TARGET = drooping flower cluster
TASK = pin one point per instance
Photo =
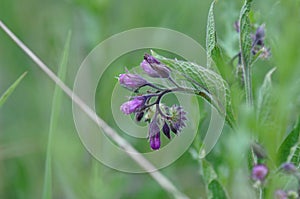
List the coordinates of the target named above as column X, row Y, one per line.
column 290, row 169
column 260, row 173
column 258, row 48
column 148, row 107
column 258, row 43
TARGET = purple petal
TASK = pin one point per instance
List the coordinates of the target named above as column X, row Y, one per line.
column 155, row 141
column 154, row 134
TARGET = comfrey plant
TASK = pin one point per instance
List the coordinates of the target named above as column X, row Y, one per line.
column 272, row 172
column 148, row 106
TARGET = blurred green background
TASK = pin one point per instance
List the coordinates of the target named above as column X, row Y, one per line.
column 43, row 26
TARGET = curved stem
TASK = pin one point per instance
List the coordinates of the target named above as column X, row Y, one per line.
column 148, row 84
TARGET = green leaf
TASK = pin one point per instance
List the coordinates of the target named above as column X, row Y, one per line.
column 208, row 84
column 294, row 156
column 215, row 54
column 287, row 147
column 245, row 35
column 207, row 171
column 264, row 98
column 216, row 190
column 211, row 38
column 245, row 49
column 10, row 90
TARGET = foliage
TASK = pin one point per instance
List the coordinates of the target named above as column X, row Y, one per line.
column 262, row 98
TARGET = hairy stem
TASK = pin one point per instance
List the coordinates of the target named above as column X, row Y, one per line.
column 248, row 86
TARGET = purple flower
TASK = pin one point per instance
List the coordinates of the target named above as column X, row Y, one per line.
column 177, row 118
column 288, row 167
column 154, row 134
column 280, row 194
column 133, row 105
column 259, row 172
column 154, row 68
column 132, row 81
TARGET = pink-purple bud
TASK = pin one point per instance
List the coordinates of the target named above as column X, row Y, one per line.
column 289, row 167
column 131, row 81
column 148, row 69
column 166, row 130
column 133, row 105
column 154, row 135
column 154, row 68
column 259, row 172
column 280, row 194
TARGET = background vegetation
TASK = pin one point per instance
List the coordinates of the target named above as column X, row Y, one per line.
column 25, row 117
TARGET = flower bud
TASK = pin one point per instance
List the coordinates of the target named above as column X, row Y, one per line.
column 139, row 116
column 166, row 130
column 154, row 135
column 288, row 168
column 259, row 172
column 258, row 150
column 148, row 69
column 131, row 81
column 260, row 33
column 280, row 194
column 154, row 68
column 133, row 105
column 259, row 36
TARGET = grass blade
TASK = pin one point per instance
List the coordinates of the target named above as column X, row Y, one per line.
column 10, row 90
column 56, row 104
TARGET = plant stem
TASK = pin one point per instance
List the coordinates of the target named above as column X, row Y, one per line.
column 248, row 85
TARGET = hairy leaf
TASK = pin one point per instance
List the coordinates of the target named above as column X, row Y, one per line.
column 216, row 190
column 207, row 171
column 208, row 84
column 288, row 145
column 264, row 97
column 211, row 38
column 215, row 54
column 245, row 35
